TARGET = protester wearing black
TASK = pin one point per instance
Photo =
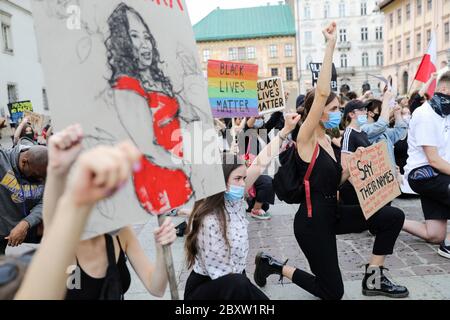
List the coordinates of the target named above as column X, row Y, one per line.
column 318, row 222
column 264, row 193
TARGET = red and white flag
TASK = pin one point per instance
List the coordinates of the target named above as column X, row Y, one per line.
column 428, row 65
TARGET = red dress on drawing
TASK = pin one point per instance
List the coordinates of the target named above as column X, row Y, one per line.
column 160, row 189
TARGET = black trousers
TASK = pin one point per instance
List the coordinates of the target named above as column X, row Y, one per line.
column 3, row 245
column 230, row 287
column 317, row 239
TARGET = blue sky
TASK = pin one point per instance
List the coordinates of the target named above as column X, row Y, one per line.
column 198, row 9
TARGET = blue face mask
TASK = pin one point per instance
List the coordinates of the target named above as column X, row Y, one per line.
column 334, row 119
column 362, row 119
column 235, row 193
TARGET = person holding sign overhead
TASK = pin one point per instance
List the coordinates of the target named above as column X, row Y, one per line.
column 320, row 218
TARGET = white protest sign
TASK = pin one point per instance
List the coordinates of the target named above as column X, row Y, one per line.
column 271, row 95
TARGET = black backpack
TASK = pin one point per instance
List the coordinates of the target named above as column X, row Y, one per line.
column 288, row 182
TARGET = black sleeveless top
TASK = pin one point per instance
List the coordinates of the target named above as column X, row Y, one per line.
column 326, row 175
column 112, row 287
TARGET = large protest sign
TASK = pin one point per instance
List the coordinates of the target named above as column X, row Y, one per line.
column 17, row 109
column 373, row 178
column 271, row 95
column 315, row 70
column 232, row 89
column 130, row 70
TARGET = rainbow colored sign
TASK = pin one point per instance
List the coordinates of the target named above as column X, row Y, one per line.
column 232, row 89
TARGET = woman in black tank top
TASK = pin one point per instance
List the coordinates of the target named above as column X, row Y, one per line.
column 320, row 218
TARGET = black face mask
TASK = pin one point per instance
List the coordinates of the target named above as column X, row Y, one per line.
column 441, row 104
column 29, row 136
column 376, row 116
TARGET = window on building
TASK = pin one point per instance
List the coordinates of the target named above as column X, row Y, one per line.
column 288, row 50
column 273, row 51
column 380, row 59
column 13, row 95
column 307, row 11
column 418, row 42
column 429, row 5
column 379, row 33
column 399, row 49
column 233, row 53
column 342, row 35
column 399, row 16
column 342, row 9
column 391, row 20
column 274, row 72
column 418, row 7
column 326, row 10
column 363, row 8
column 364, row 34
column 428, row 36
column 45, row 99
column 206, row 55
column 391, row 51
column 289, row 74
column 7, row 38
column 408, row 11
column 242, row 53
column 251, row 53
column 308, row 37
column 408, row 46
column 447, row 32
column 365, row 59
column 343, row 60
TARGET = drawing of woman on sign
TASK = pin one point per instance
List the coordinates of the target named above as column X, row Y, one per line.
column 148, row 110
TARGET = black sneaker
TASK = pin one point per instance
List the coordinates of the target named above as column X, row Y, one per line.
column 444, row 251
column 375, row 283
column 265, row 266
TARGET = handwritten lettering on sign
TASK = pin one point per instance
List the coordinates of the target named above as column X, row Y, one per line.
column 373, row 178
column 270, row 95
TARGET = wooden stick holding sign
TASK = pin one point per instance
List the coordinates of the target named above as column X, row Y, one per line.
column 373, row 178
column 168, row 259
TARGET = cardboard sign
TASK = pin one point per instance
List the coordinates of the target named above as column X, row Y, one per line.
column 129, row 70
column 17, row 109
column 373, row 178
column 315, row 70
column 232, row 89
column 271, row 95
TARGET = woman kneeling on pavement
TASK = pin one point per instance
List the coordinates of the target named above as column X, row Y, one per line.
column 318, row 222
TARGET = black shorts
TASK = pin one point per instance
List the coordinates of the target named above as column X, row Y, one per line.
column 434, row 195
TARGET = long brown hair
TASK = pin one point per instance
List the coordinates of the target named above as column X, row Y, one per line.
column 212, row 205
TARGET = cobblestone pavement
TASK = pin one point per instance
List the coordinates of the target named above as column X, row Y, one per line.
column 414, row 263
